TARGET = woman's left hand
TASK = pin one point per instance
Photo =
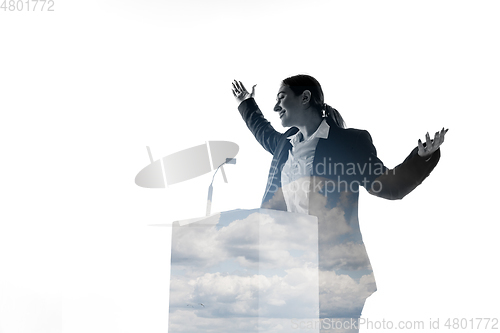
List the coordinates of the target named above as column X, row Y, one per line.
column 431, row 145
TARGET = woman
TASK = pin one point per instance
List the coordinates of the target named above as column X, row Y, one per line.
column 317, row 169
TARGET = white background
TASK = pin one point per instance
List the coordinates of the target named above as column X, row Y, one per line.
column 84, row 90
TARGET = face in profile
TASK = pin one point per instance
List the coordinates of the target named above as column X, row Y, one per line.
column 289, row 107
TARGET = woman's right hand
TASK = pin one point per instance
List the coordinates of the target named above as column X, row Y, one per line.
column 241, row 93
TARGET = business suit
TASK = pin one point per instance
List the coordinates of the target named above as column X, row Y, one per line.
column 342, row 162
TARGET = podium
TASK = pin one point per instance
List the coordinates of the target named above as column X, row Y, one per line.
column 245, row 271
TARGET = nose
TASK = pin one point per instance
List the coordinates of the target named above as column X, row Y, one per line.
column 277, row 107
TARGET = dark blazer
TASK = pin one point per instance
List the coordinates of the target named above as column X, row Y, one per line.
column 342, row 163
column 336, row 156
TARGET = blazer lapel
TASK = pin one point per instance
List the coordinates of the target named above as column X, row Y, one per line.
column 279, row 159
column 326, row 148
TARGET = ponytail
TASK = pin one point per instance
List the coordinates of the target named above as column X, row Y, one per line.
column 334, row 115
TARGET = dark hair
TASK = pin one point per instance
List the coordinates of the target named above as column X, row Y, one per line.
column 301, row 82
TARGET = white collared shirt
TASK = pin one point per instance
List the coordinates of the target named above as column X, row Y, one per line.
column 297, row 171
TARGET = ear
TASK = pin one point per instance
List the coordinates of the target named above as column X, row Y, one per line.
column 306, row 97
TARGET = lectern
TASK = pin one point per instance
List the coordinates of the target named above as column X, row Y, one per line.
column 245, row 271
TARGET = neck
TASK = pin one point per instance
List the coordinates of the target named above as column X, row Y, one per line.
column 310, row 126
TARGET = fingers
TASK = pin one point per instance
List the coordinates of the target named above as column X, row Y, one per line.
column 240, row 92
column 428, row 149
column 439, row 138
column 235, row 87
column 443, row 132
column 428, row 142
column 432, row 145
column 421, row 148
column 436, row 138
column 238, row 87
column 242, row 87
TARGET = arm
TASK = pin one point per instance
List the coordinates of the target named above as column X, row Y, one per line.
column 398, row 182
column 262, row 129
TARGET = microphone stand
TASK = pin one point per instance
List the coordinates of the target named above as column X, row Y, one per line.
column 211, row 189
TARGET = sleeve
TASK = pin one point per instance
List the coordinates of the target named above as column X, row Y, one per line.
column 262, row 129
column 396, row 183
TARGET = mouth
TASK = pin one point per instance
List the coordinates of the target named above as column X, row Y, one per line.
column 282, row 112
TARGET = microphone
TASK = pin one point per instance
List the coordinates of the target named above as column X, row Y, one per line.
column 211, row 188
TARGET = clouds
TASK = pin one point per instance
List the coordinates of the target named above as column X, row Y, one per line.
column 246, row 298
column 341, row 296
column 349, row 256
column 232, row 295
column 195, row 245
column 332, row 220
column 262, row 270
column 264, row 266
column 340, row 243
column 273, row 300
column 259, row 241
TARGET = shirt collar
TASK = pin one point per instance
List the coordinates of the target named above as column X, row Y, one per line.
column 321, row 133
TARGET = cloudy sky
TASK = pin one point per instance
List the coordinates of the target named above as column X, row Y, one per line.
column 86, row 88
column 244, row 268
column 261, row 270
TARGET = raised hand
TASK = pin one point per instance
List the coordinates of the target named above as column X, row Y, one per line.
column 241, row 93
column 431, row 145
